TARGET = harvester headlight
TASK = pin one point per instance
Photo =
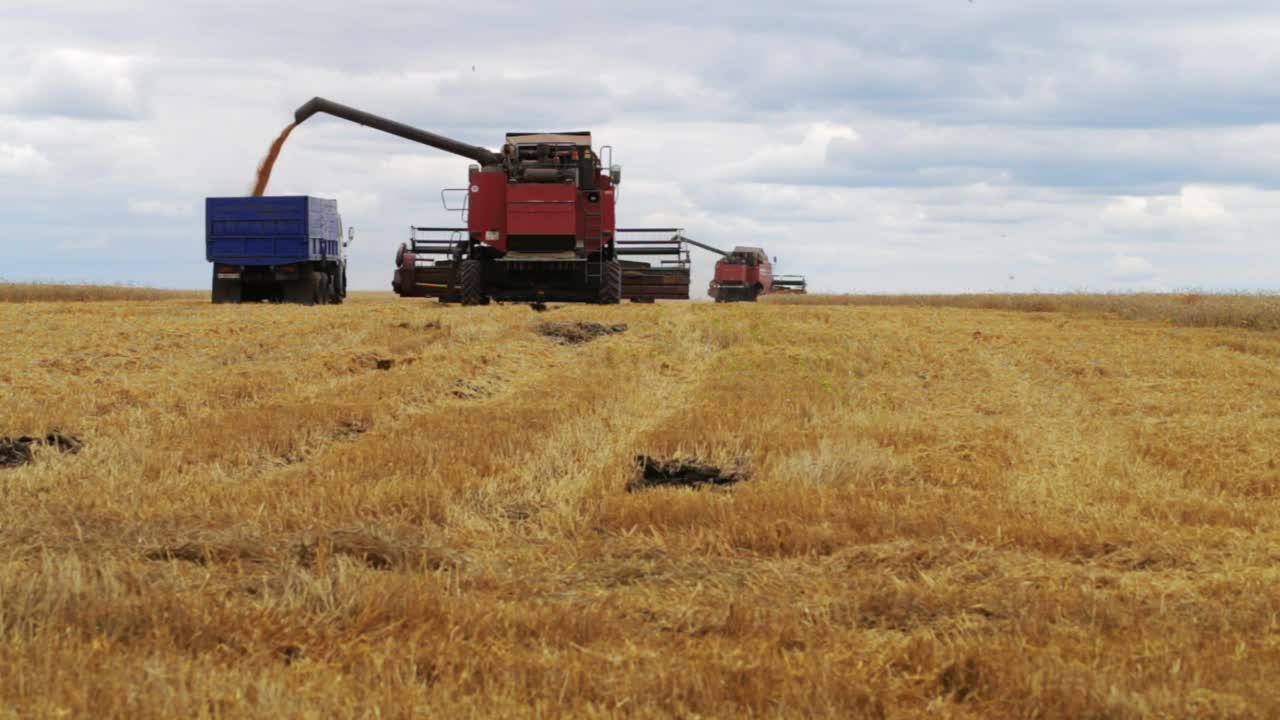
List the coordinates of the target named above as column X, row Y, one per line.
column 491, row 236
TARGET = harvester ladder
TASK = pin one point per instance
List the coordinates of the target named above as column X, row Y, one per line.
column 592, row 232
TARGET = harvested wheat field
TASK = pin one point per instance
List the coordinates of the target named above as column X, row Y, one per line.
column 396, row 509
column 70, row 292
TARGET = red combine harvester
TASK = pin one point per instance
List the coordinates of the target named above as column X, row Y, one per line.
column 539, row 226
column 747, row 273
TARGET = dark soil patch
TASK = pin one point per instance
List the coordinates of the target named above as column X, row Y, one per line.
column 21, row 450
column 373, row 360
column 351, row 429
column 188, row 552
column 376, row 552
column 373, row 550
column 205, row 550
column 464, row 390
column 574, row 333
column 680, row 472
column 370, row 549
column 430, row 325
column 15, row 452
column 291, row 653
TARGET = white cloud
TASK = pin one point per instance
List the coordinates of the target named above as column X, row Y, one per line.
column 160, row 208
column 786, row 159
column 425, row 168
column 1130, row 266
column 73, row 82
column 22, row 161
column 79, row 244
column 1193, row 205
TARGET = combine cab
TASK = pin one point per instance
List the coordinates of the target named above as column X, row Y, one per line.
column 539, row 225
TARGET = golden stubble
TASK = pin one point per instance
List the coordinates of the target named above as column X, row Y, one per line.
column 398, row 509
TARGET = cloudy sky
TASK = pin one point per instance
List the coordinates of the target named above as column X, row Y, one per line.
column 874, row 145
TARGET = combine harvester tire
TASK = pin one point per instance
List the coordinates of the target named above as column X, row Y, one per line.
column 470, row 282
column 611, row 283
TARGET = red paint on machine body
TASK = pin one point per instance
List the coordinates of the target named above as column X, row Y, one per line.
column 540, row 224
column 744, row 274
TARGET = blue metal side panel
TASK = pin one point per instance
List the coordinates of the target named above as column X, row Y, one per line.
column 270, row 230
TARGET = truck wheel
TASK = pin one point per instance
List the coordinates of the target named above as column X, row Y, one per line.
column 471, row 282
column 341, row 294
column 301, row 290
column 611, row 283
column 226, row 292
column 321, row 283
column 331, row 284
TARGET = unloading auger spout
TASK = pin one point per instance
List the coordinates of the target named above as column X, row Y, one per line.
column 408, row 132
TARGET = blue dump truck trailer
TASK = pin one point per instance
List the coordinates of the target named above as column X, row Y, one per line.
column 280, row 249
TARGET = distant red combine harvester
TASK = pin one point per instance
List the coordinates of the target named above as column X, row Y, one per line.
column 747, row 273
